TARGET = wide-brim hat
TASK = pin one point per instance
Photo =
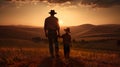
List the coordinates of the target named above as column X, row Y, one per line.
column 67, row 30
column 52, row 12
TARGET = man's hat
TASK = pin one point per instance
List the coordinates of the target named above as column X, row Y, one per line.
column 52, row 12
column 67, row 30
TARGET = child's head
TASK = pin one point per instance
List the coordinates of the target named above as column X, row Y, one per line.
column 67, row 30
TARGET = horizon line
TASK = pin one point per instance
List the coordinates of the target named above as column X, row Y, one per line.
column 43, row 26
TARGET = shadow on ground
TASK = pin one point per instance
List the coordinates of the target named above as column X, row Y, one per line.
column 49, row 62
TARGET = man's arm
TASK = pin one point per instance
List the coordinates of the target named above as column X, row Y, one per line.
column 58, row 30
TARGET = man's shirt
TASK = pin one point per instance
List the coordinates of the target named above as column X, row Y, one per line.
column 51, row 23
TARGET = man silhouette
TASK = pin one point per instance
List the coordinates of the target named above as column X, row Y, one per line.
column 51, row 28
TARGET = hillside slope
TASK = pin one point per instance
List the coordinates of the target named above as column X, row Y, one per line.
column 110, row 30
column 18, row 32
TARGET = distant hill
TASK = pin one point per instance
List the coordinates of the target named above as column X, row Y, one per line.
column 16, row 32
column 77, row 32
column 110, row 30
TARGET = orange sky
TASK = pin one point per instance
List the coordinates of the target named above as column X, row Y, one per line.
column 34, row 14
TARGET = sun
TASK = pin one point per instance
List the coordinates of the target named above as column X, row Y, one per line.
column 61, row 22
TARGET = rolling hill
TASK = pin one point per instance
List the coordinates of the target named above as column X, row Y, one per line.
column 81, row 31
column 110, row 30
column 13, row 32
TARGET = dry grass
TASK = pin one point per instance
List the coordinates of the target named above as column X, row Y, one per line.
column 33, row 57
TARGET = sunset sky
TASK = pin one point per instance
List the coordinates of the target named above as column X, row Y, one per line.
column 69, row 12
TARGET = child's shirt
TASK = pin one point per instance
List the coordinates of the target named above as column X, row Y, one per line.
column 66, row 38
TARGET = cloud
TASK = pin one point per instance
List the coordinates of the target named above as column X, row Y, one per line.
column 93, row 3
column 5, row 3
column 101, row 3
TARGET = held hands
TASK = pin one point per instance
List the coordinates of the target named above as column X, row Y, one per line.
column 58, row 34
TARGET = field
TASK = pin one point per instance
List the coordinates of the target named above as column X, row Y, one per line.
column 37, row 55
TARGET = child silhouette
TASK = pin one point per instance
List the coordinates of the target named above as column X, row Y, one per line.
column 66, row 42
